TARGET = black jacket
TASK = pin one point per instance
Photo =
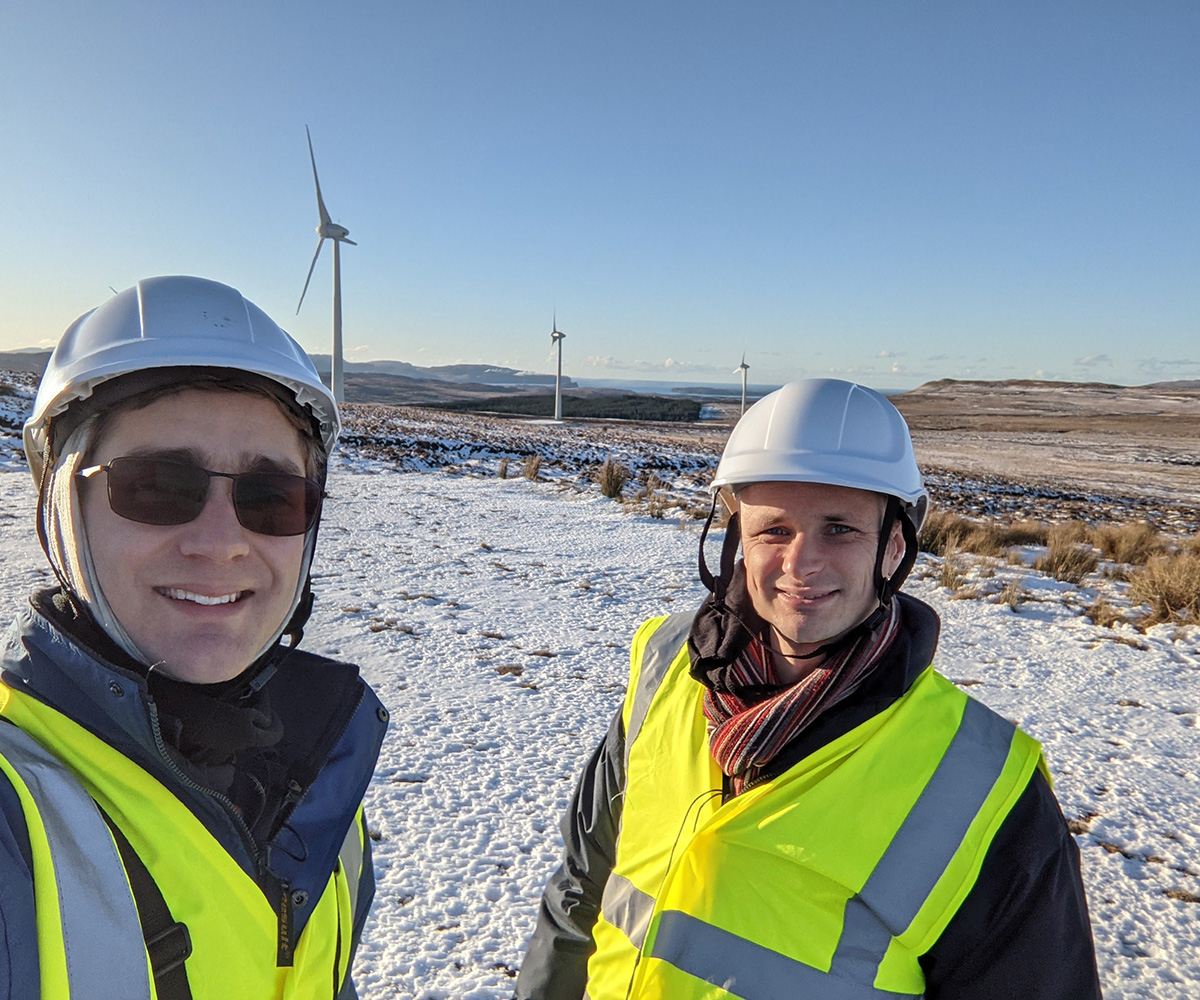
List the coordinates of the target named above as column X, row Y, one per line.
column 1022, row 932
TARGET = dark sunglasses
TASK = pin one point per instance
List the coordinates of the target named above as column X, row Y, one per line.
column 162, row 491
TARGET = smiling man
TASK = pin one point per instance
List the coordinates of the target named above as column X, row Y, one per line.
column 180, row 791
column 792, row 802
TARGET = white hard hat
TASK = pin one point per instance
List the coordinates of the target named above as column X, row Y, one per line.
column 170, row 322
column 826, row 431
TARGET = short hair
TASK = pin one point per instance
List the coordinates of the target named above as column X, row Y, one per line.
column 315, row 460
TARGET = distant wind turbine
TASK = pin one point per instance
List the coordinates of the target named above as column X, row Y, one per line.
column 743, row 368
column 557, row 338
column 329, row 230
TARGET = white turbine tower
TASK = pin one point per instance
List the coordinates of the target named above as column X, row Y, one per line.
column 329, row 230
column 743, row 368
column 557, row 338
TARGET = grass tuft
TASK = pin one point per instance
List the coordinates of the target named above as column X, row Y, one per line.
column 1170, row 584
column 1134, row 543
column 1071, row 557
column 532, row 466
column 1103, row 614
column 502, row 472
column 1013, row 594
column 944, row 531
column 951, row 575
column 612, row 477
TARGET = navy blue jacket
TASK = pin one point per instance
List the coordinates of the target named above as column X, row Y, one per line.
column 333, row 728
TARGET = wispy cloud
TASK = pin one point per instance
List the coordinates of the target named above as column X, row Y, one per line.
column 666, row 367
column 1168, row 369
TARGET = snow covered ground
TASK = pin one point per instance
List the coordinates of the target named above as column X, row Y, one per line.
column 493, row 616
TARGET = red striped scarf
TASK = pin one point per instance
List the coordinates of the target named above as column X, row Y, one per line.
column 745, row 736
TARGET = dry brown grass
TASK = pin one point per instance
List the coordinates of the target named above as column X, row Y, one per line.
column 1170, row 584
column 1104, row 614
column 1068, row 532
column 612, row 477
column 1135, row 543
column 1071, row 557
column 1013, row 594
column 944, row 531
column 502, row 471
column 532, row 466
column 951, row 575
column 650, row 494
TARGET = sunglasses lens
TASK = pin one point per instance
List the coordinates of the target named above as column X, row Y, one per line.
column 275, row 503
column 151, row 491
column 159, row 491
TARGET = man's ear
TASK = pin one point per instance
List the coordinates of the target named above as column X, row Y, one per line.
column 895, row 551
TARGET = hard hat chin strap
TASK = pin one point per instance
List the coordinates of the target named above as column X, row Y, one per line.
column 719, row 585
column 887, row 587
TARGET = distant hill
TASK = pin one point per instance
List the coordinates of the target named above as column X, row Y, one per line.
column 29, row 359
column 1044, row 406
column 481, row 374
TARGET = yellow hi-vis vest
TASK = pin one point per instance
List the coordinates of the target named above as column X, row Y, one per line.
column 825, row 883
column 90, row 944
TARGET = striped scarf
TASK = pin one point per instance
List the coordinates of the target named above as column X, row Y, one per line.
column 745, row 734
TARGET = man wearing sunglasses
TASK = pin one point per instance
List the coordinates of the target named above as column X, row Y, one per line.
column 180, row 790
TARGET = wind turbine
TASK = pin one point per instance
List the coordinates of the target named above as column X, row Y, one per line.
column 743, row 368
column 557, row 338
column 329, row 230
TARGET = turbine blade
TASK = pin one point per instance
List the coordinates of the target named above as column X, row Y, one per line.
column 325, row 220
column 351, row 242
column 310, row 271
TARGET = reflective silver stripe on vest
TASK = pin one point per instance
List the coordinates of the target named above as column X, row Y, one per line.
column 105, row 952
column 624, row 905
column 925, row 843
column 746, row 969
column 351, row 857
column 661, row 649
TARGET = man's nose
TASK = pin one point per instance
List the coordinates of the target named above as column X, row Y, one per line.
column 802, row 556
column 216, row 534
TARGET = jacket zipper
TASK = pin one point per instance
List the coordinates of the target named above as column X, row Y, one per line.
column 188, row 781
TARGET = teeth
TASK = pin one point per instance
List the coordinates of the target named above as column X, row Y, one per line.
column 186, row 595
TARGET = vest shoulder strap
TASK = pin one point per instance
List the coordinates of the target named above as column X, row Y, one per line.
column 659, row 650
column 167, row 940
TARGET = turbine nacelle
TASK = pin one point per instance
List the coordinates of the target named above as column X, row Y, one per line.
column 332, row 231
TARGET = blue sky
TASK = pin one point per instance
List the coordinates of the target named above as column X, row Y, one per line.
column 883, row 190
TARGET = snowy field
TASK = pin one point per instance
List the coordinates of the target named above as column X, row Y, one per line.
column 494, row 616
